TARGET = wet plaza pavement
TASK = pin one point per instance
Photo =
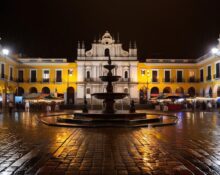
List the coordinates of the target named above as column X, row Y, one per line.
column 192, row 146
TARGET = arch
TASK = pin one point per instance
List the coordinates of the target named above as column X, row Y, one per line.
column 33, row 90
column 19, row 91
column 210, row 92
column 191, row 91
column 87, row 74
column 143, row 96
column 203, row 92
column 107, row 52
column 167, row 90
column 126, row 74
column 70, row 95
column 125, row 90
column 180, row 90
column 218, row 91
column 154, row 92
column 45, row 90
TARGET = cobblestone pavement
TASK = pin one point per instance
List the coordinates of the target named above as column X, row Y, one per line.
column 190, row 147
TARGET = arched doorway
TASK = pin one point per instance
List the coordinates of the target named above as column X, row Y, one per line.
column 88, row 74
column 203, row 92
column 126, row 74
column 218, row 91
column 107, row 52
column 154, row 92
column 33, row 90
column 70, row 95
column 143, row 95
column 19, row 91
column 45, row 90
column 167, row 90
column 210, row 92
column 191, row 91
column 180, row 90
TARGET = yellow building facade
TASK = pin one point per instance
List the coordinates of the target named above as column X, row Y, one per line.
column 57, row 76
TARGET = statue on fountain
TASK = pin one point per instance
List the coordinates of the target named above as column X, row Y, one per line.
column 132, row 107
column 85, row 106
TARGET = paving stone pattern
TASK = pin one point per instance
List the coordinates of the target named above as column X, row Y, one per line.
column 190, row 147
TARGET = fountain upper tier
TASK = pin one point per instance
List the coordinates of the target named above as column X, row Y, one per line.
column 111, row 96
column 110, row 78
column 109, row 67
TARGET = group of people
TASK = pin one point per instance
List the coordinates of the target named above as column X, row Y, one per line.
column 201, row 105
column 27, row 106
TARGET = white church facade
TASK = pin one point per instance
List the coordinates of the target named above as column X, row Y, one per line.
column 90, row 66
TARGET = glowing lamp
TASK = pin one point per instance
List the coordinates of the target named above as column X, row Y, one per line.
column 214, row 50
column 5, row 52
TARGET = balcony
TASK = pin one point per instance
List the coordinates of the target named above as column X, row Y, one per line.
column 3, row 76
column 154, row 80
column 11, row 78
column 180, row 80
column 33, row 80
column 46, row 80
column 201, row 80
column 209, row 78
column 168, row 80
column 192, row 80
column 216, row 76
column 58, row 80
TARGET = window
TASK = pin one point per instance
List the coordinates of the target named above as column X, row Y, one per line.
column 46, row 76
column 126, row 74
column 201, row 75
column 209, row 73
column 217, row 68
column 58, row 76
column 125, row 90
column 88, row 74
column 2, row 70
column 154, row 76
column 107, row 53
column 11, row 73
column 20, row 76
column 192, row 76
column 88, row 91
column 179, row 76
column 142, row 72
column 33, row 75
column 167, row 76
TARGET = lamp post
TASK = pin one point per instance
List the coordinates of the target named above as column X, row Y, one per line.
column 148, row 75
column 5, row 53
column 70, row 73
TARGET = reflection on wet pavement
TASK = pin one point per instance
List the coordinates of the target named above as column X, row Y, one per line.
column 190, row 147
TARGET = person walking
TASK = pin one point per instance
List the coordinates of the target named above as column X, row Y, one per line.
column 11, row 105
column 27, row 106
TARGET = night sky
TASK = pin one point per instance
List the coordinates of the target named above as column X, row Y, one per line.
column 162, row 28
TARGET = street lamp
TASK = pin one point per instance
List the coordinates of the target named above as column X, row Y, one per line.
column 70, row 74
column 215, row 50
column 148, row 75
column 5, row 53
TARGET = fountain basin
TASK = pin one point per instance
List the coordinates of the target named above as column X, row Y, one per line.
column 110, row 78
column 109, row 67
column 94, row 119
column 114, row 96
